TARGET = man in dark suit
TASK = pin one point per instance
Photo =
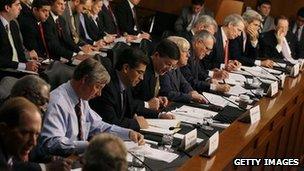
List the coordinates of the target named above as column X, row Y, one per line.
column 32, row 29
column 116, row 105
column 264, row 8
column 204, row 22
column 232, row 28
column 108, row 18
column 128, row 19
column 18, row 136
column 190, row 14
column 297, row 29
column 245, row 47
column 11, row 51
column 198, row 77
column 60, row 43
column 279, row 44
column 164, row 58
column 173, row 84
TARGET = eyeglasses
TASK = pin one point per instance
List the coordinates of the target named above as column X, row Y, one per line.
column 207, row 48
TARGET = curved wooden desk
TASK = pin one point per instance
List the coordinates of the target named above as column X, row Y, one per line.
column 279, row 133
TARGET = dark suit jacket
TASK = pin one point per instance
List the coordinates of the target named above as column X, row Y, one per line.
column 268, row 43
column 6, row 52
column 125, row 18
column 216, row 57
column 236, row 51
column 107, row 21
column 59, row 46
column 300, row 44
column 96, row 32
column 108, row 105
column 17, row 166
column 145, row 89
column 187, row 35
column 196, row 75
column 31, row 35
column 174, row 86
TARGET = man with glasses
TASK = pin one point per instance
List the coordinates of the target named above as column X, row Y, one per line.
column 164, row 58
column 232, row 28
column 245, row 47
column 202, row 45
column 116, row 105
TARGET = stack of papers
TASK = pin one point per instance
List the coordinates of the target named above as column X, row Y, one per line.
column 162, row 126
column 149, row 152
column 235, row 79
column 237, row 90
column 216, row 99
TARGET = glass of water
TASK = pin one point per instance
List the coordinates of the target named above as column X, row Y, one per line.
column 167, row 141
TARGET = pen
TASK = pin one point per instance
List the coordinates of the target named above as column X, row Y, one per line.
column 224, row 81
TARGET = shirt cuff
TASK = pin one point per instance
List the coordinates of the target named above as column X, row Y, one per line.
column 80, row 146
column 146, row 105
column 257, row 62
column 213, row 87
column 210, row 74
column 42, row 167
column 279, row 48
column 123, row 133
column 21, row 66
column 254, row 43
column 74, row 54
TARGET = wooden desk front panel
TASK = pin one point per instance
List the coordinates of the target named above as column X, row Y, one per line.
column 279, row 133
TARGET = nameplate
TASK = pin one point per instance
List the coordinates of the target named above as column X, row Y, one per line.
column 213, row 143
column 255, row 114
column 282, row 80
column 190, row 139
column 295, row 70
column 301, row 64
column 273, row 88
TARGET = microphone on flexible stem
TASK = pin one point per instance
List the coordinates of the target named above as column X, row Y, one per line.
column 240, row 107
column 145, row 164
column 242, row 69
column 278, row 79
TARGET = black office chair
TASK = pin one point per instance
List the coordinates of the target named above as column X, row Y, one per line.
column 113, row 53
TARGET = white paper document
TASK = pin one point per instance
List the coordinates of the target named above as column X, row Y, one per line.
column 163, row 123
column 150, row 152
column 193, row 112
column 237, row 90
column 215, row 99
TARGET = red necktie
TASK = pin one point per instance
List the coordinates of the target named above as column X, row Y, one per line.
column 43, row 39
column 79, row 114
column 59, row 28
column 226, row 49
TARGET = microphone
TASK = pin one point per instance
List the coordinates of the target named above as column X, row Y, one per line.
column 242, row 69
column 212, row 106
column 278, row 78
column 141, row 161
column 171, row 128
column 240, row 107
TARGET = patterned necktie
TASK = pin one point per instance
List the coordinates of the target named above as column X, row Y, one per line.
column 157, row 86
column 11, row 40
column 79, row 115
column 59, row 28
column 135, row 19
column 41, row 31
column 298, row 33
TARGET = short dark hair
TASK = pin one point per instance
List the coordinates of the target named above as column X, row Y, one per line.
column 11, row 110
column 167, row 48
column 281, row 17
column 3, row 3
column 261, row 2
column 40, row 3
column 197, row 2
column 131, row 56
column 30, row 87
column 301, row 12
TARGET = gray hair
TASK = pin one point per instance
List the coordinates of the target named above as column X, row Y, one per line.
column 234, row 19
column 206, row 21
column 93, row 70
column 203, row 35
column 251, row 15
column 29, row 87
column 182, row 43
column 105, row 152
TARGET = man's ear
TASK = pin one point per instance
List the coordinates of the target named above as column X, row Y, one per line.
column 125, row 68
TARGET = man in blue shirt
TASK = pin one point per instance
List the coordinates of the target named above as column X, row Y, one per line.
column 69, row 121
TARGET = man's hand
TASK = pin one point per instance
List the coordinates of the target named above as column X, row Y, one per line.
column 33, row 55
column 136, row 137
column 222, row 88
column 32, row 66
column 166, row 115
column 253, row 34
column 267, row 63
column 233, row 65
column 220, row 74
column 59, row 164
column 86, row 49
column 163, row 101
column 197, row 97
column 81, row 57
column 154, row 103
column 143, row 124
column 144, row 35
